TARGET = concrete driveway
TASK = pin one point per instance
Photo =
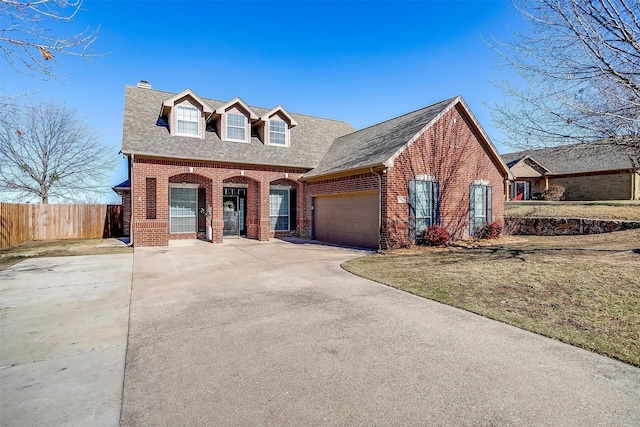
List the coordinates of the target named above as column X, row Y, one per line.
column 251, row 333
column 63, row 337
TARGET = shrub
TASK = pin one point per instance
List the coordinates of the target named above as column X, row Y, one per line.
column 554, row 193
column 433, row 235
column 489, row 231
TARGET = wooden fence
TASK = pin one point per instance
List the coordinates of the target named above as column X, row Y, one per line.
column 26, row 222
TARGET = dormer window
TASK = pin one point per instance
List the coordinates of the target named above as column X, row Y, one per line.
column 277, row 132
column 275, row 127
column 187, row 120
column 185, row 114
column 236, row 127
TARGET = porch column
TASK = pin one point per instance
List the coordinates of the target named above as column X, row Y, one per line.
column 217, row 221
column 263, row 211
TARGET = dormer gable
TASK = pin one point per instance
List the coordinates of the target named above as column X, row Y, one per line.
column 274, row 127
column 186, row 114
column 233, row 120
column 529, row 167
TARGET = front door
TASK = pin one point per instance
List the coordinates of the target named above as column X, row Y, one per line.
column 230, row 216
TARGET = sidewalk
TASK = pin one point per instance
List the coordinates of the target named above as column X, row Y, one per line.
column 63, row 336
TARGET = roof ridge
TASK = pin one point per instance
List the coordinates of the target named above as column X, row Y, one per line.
column 448, row 101
column 252, row 106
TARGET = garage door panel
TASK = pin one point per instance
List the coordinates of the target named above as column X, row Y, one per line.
column 347, row 219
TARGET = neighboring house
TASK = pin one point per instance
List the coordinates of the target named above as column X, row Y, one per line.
column 264, row 172
column 587, row 171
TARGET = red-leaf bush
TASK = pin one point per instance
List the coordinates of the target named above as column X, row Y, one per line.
column 490, row 231
column 433, row 235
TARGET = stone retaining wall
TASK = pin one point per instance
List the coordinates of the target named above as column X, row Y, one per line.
column 564, row 226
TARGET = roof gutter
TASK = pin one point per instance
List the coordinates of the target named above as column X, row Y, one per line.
column 131, row 202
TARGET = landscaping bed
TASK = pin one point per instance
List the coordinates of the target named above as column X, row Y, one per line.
column 583, row 290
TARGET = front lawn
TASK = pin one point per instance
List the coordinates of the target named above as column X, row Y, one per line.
column 583, row 290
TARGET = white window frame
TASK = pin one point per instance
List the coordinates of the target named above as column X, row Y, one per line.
column 243, row 127
column 284, row 133
column 288, row 216
column 195, row 228
column 479, row 217
column 430, row 204
column 196, row 121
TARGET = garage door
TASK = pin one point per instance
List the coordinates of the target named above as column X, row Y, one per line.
column 347, row 219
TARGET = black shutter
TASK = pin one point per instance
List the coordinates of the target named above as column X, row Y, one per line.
column 293, row 208
column 202, row 200
column 472, row 208
column 435, row 203
column 489, row 209
column 412, row 209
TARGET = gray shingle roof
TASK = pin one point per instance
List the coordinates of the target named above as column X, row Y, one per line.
column 576, row 158
column 376, row 144
column 309, row 140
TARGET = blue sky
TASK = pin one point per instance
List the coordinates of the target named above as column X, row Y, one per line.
column 361, row 62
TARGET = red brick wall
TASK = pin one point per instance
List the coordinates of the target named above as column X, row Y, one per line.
column 210, row 176
column 452, row 153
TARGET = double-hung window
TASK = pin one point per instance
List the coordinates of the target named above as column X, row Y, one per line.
column 277, row 132
column 479, row 207
column 187, row 120
column 424, row 205
column 183, row 203
column 236, row 126
column 279, row 209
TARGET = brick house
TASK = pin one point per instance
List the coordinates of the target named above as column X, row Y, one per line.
column 594, row 170
column 202, row 168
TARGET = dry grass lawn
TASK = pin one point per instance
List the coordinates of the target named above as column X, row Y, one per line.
column 621, row 210
column 54, row 248
column 583, row 290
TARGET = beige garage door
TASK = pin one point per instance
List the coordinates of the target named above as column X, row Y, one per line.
column 347, row 219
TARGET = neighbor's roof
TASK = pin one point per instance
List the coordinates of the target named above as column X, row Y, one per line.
column 124, row 185
column 576, row 158
column 310, row 139
column 380, row 144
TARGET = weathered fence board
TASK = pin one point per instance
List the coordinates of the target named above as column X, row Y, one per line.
column 25, row 222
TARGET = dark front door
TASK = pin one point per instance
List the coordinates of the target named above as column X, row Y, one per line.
column 230, row 216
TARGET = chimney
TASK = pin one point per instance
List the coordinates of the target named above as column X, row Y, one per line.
column 144, row 84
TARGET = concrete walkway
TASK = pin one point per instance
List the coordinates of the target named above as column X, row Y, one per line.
column 251, row 333
column 63, row 335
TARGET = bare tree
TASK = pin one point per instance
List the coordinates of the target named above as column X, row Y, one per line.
column 46, row 152
column 29, row 46
column 579, row 74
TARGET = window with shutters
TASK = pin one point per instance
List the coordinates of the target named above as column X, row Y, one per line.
column 479, row 207
column 424, row 205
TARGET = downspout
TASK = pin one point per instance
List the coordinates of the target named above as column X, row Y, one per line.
column 131, row 222
column 379, row 207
